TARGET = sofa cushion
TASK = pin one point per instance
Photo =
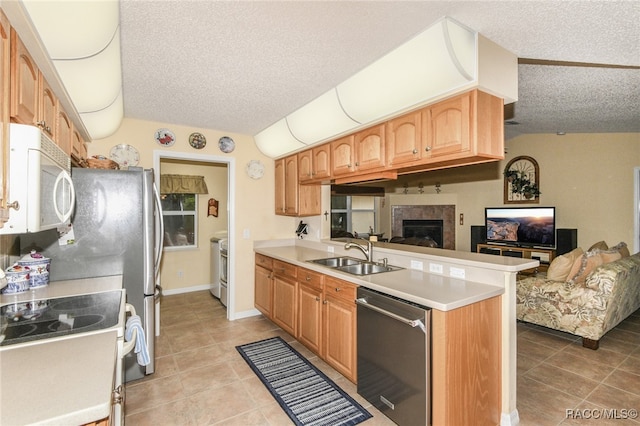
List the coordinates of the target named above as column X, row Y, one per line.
column 561, row 266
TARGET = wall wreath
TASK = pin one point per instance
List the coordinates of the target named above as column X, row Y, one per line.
column 522, row 181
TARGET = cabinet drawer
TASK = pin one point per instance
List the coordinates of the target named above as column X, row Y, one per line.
column 310, row 278
column 285, row 269
column 264, row 261
column 339, row 288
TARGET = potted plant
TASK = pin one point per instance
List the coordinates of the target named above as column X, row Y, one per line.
column 520, row 184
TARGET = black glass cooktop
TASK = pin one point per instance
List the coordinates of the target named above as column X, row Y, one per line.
column 46, row 318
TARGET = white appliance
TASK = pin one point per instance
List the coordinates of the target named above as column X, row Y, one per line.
column 224, row 272
column 215, row 267
column 41, row 193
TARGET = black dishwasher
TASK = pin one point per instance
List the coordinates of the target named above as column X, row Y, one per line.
column 394, row 357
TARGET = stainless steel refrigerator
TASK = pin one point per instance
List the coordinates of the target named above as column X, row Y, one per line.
column 117, row 227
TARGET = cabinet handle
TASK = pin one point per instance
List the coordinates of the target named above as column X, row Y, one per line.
column 324, row 302
column 349, row 165
column 357, row 163
column 338, row 289
column 415, row 151
column 428, row 149
column 15, row 205
column 317, row 299
column 308, row 278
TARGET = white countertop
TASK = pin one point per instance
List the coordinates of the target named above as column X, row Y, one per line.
column 432, row 290
column 66, row 380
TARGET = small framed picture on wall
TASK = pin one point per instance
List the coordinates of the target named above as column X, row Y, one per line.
column 213, row 207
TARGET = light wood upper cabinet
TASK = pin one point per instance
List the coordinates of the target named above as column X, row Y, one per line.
column 404, row 139
column 5, row 84
column 64, row 131
column 292, row 198
column 291, row 185
column 448, row 126
column 343, row 159
column 370, row 148
column 466, row 129
column 48, row 111
column 25, row 82
column 78, row 146
column 314, row 165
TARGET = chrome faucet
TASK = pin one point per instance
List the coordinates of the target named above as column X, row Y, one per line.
column 368, row 252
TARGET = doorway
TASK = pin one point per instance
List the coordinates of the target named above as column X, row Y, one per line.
column 226, row 208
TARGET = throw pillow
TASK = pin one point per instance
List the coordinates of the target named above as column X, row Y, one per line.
column 622, row 248
column 561, row 265
column 588, row 262
column 600, row 245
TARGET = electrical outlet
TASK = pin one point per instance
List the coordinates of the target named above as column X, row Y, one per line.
column 416, row 264
column 246, row 233
column 180, row 273
column 456, row 272
column 435, row 268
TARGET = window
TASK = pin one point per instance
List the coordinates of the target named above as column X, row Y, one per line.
column 352, row 214
column 179, row 212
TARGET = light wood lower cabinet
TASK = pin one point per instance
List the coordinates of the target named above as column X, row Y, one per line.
column 466, row 364
column 316, row 309
column 339, row 326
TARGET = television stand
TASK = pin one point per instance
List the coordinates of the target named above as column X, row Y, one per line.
column 545, row 256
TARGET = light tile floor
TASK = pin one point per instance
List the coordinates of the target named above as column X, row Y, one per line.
column 201, row 379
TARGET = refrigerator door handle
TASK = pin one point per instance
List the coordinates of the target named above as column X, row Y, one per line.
column 159, row 235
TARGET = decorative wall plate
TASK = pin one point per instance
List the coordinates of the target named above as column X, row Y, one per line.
column 255, row 169
column 197, row 140
column 226, row 144
column 125, row 155
column 165, row 137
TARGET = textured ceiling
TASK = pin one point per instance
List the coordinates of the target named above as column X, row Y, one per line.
column 239, row 66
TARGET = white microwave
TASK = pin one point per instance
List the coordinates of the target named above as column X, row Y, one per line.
column 41, row 194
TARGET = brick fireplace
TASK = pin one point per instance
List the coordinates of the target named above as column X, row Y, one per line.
column 445, row 213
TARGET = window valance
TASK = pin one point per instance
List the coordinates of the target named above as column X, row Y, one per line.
column 182, row 184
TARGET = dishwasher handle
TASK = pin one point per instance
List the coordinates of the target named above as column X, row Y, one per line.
column 411, row 322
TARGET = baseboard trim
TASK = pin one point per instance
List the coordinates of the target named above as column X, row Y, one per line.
column 186, row 289
column 510, row 419
column 246, row 314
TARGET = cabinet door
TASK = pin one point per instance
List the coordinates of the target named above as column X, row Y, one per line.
column 78, row 148
column 285, row 304
column 342, row 156
column 340, row 335
column 448, row 126
column 305, row 168
column 291, row 185
column 24, row 83
column 64, row 131
column 5, row 67
column 310, row 317
column 321, row 162
column 280, row 186
column 263, row 291
column 404, row 139
column 47, row 109
column 370, row 148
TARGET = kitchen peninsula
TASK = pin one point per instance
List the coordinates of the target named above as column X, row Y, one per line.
column 473, row 322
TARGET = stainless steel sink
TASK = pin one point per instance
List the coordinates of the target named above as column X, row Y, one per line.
column 334, row 262
column 367, row 268
column 354, row 266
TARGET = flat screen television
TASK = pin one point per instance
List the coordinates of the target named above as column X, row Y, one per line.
column 521, row 226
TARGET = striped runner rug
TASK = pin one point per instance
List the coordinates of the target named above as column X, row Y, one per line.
column 304, row 392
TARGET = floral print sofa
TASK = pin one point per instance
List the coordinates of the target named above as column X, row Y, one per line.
column 601, row 289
